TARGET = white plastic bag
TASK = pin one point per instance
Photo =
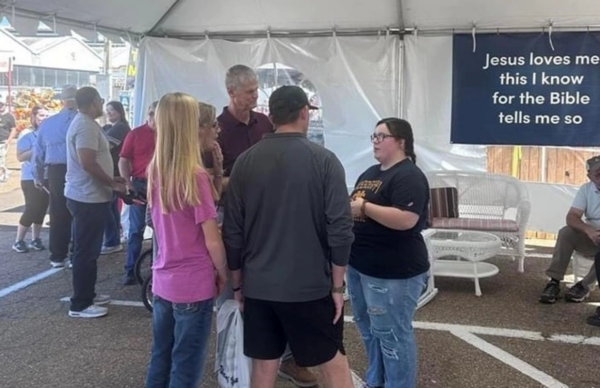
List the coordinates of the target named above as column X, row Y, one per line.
column 233, row 368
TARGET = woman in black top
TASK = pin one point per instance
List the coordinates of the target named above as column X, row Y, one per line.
column 389, row 262
column 115, row 133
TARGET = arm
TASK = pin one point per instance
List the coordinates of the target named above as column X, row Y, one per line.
column 87, row 159
column 575, row 221
column 39, row 155
column 116, row 134
column 87, row 144
column 125, row 159
column 577, row 211
column 408, row 197
column 12, row 136
column 391, row 217
column 206, row 216
column 23, row 156
column 233, row 227
column 339, row 219
column 25, row 147
column 215, row 246
column 125, row 171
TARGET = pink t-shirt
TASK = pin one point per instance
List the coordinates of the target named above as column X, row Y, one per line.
column 183, row 271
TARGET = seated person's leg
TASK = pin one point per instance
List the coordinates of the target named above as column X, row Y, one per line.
column 595, row 319
column 567, row 242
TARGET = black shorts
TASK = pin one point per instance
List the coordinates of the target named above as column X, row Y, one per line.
column 307, row 326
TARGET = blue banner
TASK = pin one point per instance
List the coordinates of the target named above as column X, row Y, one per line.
column 526, row 89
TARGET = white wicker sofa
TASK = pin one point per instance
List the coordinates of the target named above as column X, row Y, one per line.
column 493, row 203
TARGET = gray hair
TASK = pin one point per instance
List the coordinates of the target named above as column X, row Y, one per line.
column 239, row 75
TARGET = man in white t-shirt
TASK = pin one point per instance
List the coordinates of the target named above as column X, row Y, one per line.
column 89, row 190
column 581, row 234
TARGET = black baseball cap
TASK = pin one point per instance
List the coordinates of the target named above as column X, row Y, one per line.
column 287, row 99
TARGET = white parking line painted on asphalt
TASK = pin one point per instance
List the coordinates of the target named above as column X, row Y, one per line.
column 510, row 360
column 27, row 282
column 509, row 333
column 114, row 302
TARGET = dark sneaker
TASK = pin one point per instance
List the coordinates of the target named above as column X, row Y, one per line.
column 577, row 293
column 129, row 280
column 37, row 245
column 551, row 293
column 594, row 320
column 20, row 247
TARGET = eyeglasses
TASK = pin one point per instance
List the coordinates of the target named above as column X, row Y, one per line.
column 379, row 137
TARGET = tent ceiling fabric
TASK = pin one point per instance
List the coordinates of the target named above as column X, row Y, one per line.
column 259, row 15
column 503, row 14
column 193, row 17
column 132, row 15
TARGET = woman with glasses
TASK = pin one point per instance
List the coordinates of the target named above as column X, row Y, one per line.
column 36, row 199
column 389, row 260
column 212, row 157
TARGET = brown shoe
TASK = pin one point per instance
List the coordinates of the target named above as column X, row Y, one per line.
column 301, row 377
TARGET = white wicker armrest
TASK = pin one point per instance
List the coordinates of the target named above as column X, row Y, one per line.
column 523, row 212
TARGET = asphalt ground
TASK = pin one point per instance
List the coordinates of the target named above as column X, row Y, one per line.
column 504, row 338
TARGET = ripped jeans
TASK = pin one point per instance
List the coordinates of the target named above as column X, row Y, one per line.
column 383, row 311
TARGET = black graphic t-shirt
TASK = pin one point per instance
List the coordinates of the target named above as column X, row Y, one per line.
column 382, row 252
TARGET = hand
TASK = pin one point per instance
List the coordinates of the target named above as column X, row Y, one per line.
column 217, row 155
column 221, row 282
column 240, row 298
column 338, row 300
column 119, row 185
column 356, row 206
column 594, row 235
column 38, row 184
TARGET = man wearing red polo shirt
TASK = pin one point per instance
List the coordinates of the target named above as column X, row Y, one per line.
column 241, row 128
column 137, row 151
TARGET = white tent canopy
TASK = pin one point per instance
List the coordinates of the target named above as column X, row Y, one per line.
column 134, row 18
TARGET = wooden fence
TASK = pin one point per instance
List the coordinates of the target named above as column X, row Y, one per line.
column 541, row 164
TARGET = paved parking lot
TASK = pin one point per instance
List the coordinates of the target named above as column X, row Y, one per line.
column 503, row 339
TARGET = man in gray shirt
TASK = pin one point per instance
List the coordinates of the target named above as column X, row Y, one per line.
column 288, row 233
column 89, row 188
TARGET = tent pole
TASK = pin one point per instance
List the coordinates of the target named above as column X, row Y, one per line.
column 164, row 17
column 400, row 14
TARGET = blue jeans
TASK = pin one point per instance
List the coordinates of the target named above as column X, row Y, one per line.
column 383, row 311
column 181, row 332
column 137, row 225
column 112, row 235
column 88, row 226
